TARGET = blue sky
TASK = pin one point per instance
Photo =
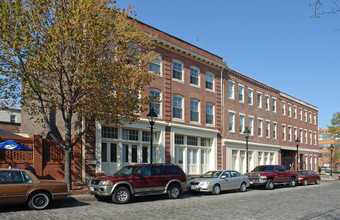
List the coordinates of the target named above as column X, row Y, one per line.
column 276, row 42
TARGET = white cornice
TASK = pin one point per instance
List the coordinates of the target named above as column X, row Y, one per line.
column 285, row 95
column 191, row 53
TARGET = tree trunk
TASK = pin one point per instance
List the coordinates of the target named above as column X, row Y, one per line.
column 67, row 174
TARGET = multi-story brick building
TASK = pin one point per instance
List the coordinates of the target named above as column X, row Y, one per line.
column 204, row 109
column 275, row 120
column 325, row 141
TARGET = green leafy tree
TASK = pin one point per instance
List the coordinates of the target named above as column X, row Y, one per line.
column 334, row 129
column 83, row 59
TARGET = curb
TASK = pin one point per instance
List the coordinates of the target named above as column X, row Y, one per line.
column 85, row 197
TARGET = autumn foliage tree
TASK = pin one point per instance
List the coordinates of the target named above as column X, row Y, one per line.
column 334, row 129
column 84, row 59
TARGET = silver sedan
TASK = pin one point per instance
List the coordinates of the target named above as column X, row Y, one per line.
column 219, row 180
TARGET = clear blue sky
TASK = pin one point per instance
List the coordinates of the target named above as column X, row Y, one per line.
column 276, row 42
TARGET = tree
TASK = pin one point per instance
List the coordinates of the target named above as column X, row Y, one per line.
column 330, row 8
column 334, row 129
column 84, row 59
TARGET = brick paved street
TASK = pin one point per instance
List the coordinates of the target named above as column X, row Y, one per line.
column 303, row 202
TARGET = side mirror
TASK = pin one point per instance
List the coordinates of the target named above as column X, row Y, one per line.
column 223, row 177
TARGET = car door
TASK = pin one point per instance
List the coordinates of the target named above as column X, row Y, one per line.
column 281, row 174
column 224, row 181
column 142, row 180
column 13, row 188
column 235, row 180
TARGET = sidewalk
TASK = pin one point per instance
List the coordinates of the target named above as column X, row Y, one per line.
column 328, row 178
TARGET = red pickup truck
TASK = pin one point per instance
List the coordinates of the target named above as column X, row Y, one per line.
column 270, row 175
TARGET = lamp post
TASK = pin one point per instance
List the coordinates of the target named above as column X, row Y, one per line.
column 297, row 142
column 331, row 148
column 246, row 134
column 152, row 116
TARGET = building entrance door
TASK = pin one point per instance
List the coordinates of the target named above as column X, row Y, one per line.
column 109, row 158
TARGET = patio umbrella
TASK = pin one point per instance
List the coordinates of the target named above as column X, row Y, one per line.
column 13, row 145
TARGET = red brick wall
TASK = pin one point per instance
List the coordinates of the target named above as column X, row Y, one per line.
column 47, row 158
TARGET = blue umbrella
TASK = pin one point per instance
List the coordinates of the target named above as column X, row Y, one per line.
column 13, row 145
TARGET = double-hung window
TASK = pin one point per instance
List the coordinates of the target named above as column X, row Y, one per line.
column 259, row 128
column 241, row 93
column 209, row 113
column 231, row 90
column 267, row 103
column 241, row 124
column 155, row 97
column 194, row 110
column 250, row 96
column 177, row 69
column 231, row 122
column 194, row 76
column 177, row 107
column 209, row 81
column 155, row 67
column 259, row 100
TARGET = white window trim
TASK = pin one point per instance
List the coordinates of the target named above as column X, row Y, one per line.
column 233, row 128
column 213, row 89
column 295, row 111
column 289, row 110
column 289, row 133
column 172, row 76
column 160, row 66
column 199, row 112
column 244, row 121
column 284, row 112
column 199, row 77
column 252, row 97
column 273, row 98
column 241, row 86
column 260, row 119
column 183, row 109
column 233, row 94
column 213, row 124
column 261, row 104
column 284, row 131
column 269, row 130
column 160, row 116
column 252, row 127
column 275, row 123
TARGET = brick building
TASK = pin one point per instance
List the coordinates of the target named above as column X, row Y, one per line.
column 325, row 141
column 205, row 107
column 275, row 120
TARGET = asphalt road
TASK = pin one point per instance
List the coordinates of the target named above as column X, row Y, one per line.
column 302, row 202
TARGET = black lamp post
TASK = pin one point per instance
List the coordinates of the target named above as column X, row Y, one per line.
column 331, row 148
column 246, row 134
column 297, row 142
column 152, row 116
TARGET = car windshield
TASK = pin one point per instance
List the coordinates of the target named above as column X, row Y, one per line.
column 303, row 172
column 264, row 169
column 129, row 170
column 211, row 174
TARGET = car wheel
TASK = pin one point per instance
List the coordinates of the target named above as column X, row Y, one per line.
column 216, row 190
column 270, row 184
column 292, row 182
column 305, row 182
column 39, row 200
column 317, row 181
column 174, row 192
column 121, row 195
column 243, row 187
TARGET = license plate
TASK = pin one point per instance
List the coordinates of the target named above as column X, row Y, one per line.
column 91, row 188
column 193, row 187
column 251, row 182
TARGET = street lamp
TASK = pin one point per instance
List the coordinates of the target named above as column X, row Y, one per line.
column 331, row 148
column 246, row 134
column 152, row 116
column 297, row 142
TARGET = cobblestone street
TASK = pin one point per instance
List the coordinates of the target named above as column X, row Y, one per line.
column 302, row 202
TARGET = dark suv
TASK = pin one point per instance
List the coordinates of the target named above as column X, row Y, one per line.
column 140, row 180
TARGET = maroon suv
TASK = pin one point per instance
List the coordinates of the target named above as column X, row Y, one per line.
column 140, row 180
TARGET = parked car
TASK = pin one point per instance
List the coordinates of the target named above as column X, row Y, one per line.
column 308, row 176
column 219, row 180
column 21, row 186
column 140, row 180
column 270, row 175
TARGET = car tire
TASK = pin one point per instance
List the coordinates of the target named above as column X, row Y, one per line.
column 317, row 181
column 216, row 189
column 305, row 183
column 270, row 184
column 39, row 200
column 292, row 182
column 174, row 191
column 243, row 187
column 121, row 195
